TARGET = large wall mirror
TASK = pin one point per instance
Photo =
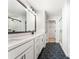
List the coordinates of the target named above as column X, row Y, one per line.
column 19, row 19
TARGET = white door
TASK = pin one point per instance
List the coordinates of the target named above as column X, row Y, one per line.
column 51, row 31
column 60, row 30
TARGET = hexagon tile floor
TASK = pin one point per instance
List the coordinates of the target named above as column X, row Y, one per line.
column 52, row 51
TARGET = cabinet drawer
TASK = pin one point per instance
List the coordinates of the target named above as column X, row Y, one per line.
column 27, row 54
column 17, row 51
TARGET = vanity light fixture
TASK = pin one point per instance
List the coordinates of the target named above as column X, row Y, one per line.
column 14, row 19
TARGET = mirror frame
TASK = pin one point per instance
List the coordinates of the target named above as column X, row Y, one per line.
column 25, row 22
column 25, row 29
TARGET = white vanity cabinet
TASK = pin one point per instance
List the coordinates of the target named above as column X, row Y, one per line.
column 23, row 51
column 39, row 45
column 27, row 54
column 28, row 49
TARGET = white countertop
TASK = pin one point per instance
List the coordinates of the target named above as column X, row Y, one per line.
column 15, row 40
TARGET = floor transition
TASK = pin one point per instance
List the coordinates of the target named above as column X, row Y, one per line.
column 52, row 51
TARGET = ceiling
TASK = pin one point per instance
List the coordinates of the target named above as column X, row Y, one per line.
column 52, row 7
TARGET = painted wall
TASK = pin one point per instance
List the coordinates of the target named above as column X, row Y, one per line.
column 40, row 19
column 65, row 28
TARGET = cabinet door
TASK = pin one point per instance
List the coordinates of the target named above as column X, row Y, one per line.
column 29, row 53
column 19, row 51
column 38, row 46
column 44, row 40
column 37, row 50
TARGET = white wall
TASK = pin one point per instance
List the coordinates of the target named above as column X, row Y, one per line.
column 65, row 28
column 40, row 19
column 63, row 38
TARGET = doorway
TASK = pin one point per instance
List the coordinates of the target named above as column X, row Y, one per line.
column 51, row 31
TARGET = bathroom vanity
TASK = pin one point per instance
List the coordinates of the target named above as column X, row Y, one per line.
column 26, row 37
column 26, row 46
